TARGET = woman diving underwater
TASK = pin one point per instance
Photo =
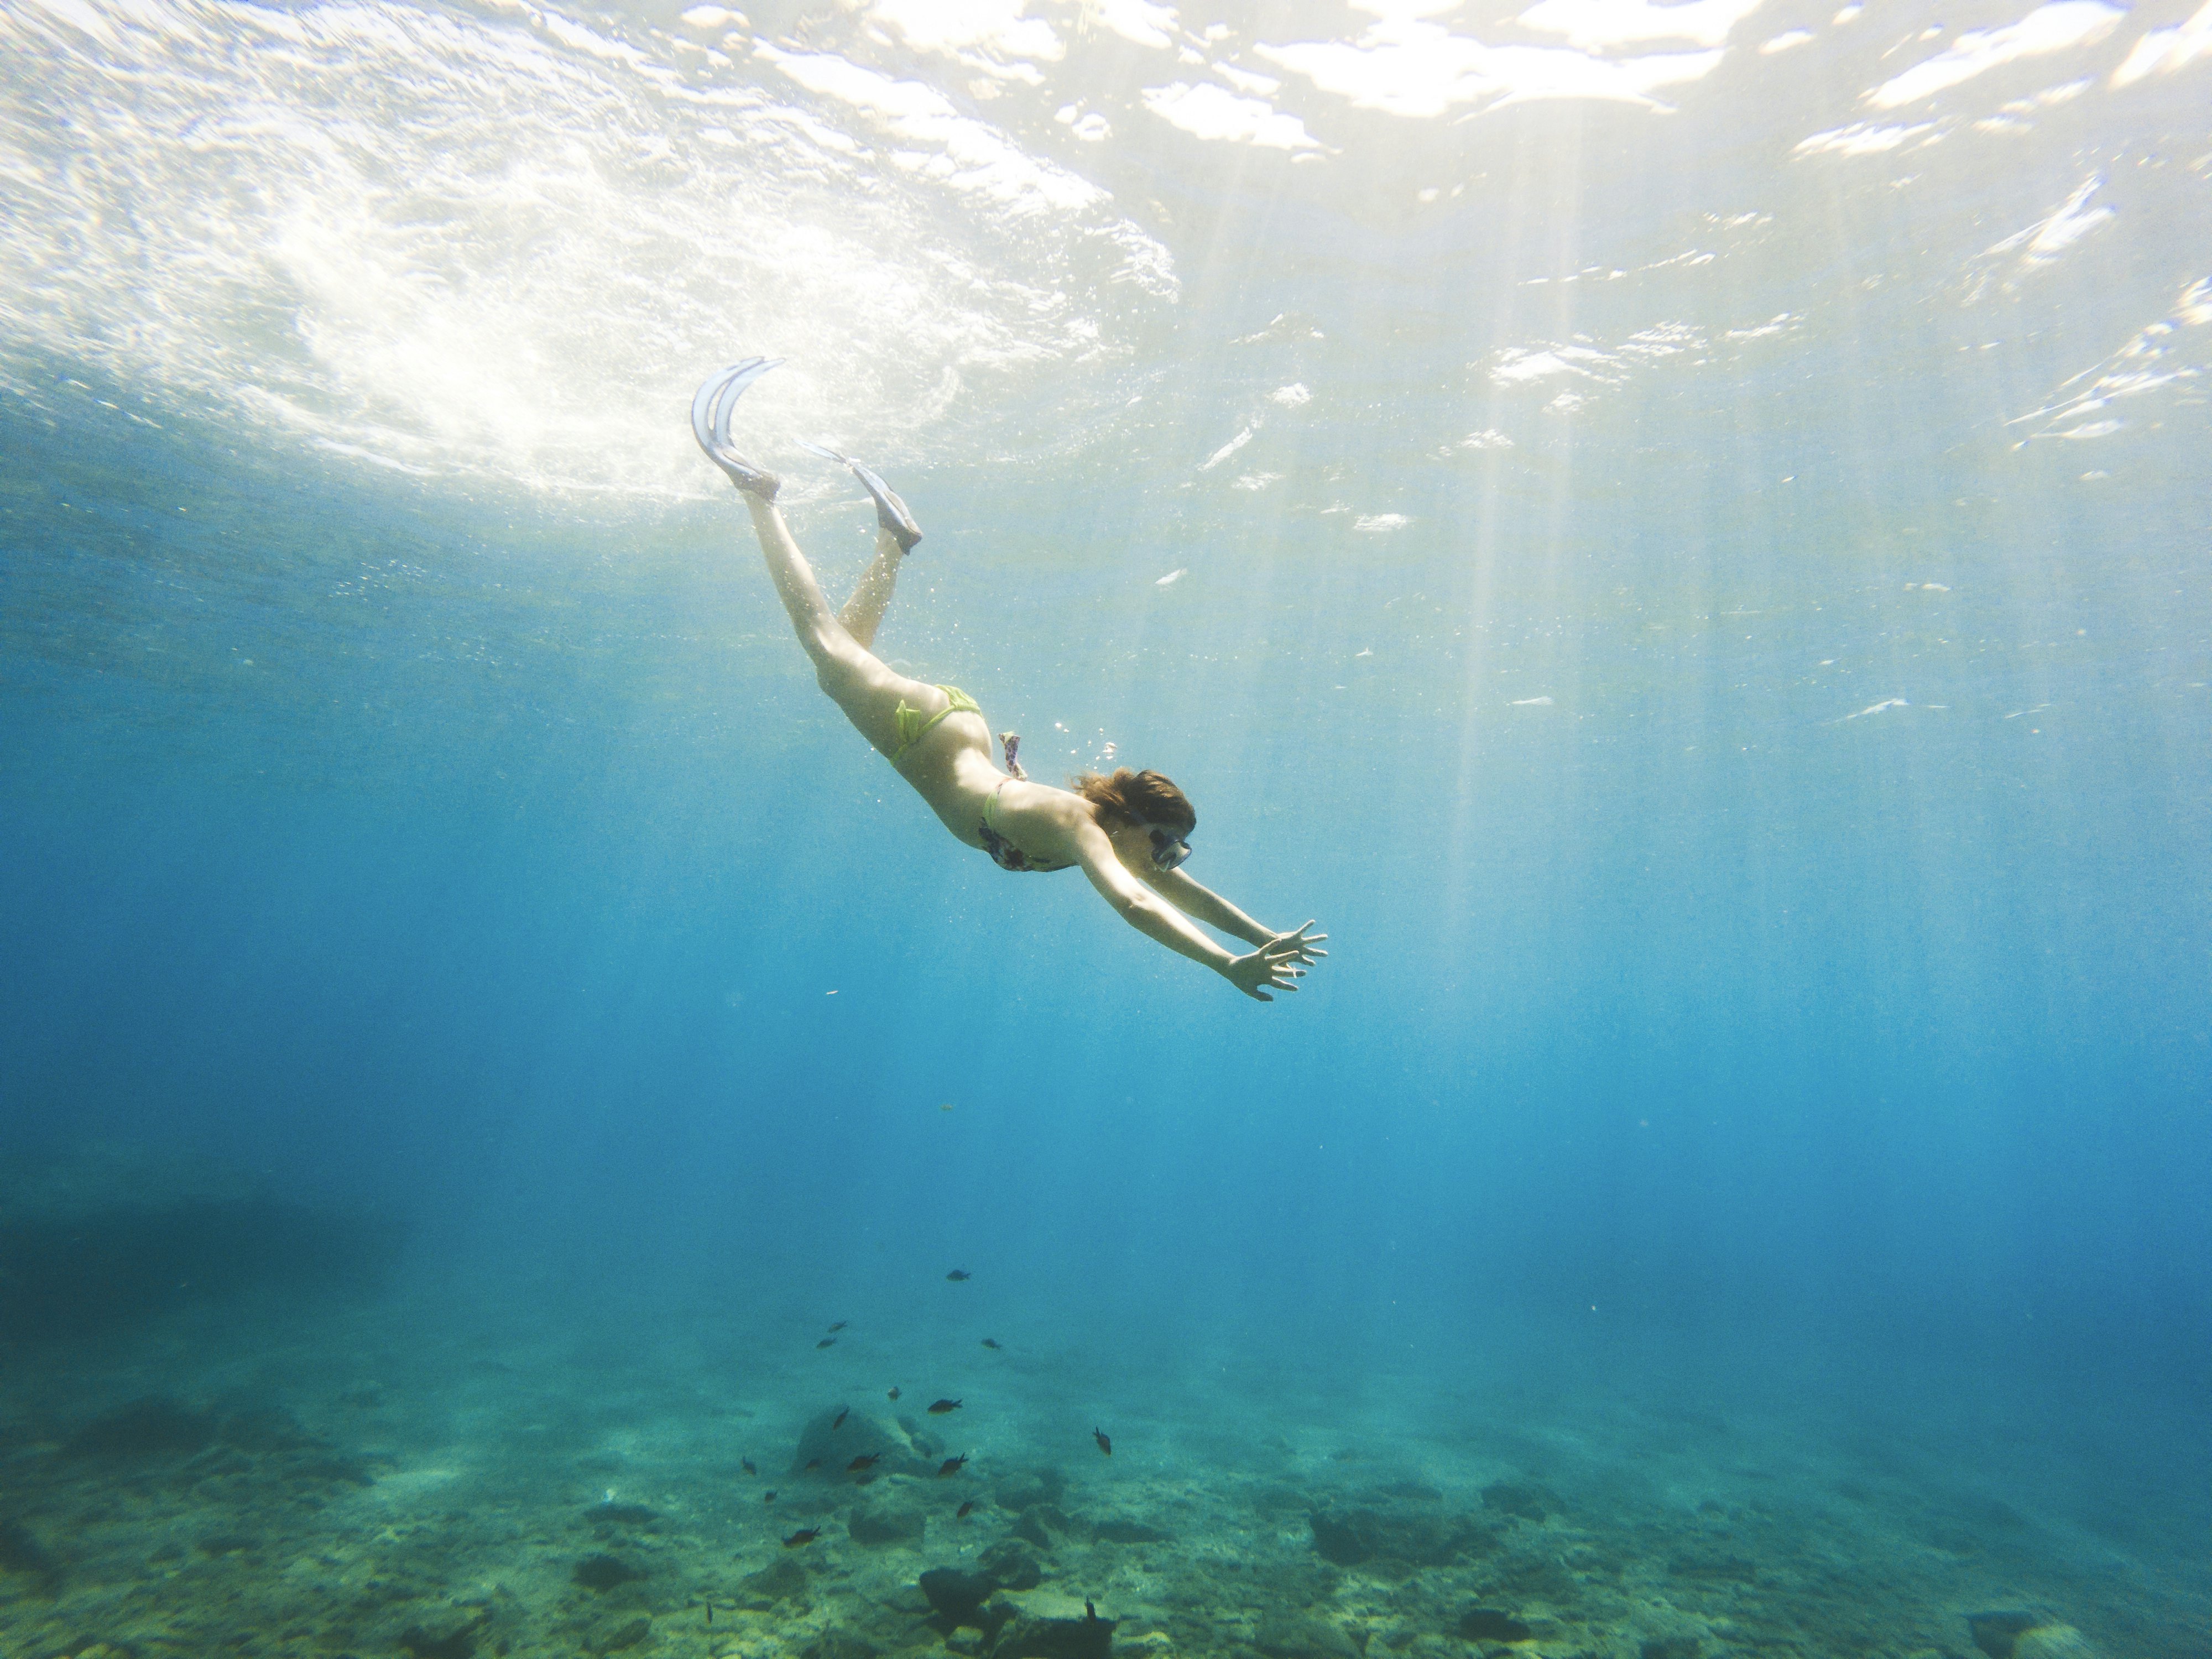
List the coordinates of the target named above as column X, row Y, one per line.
column 1129, row 833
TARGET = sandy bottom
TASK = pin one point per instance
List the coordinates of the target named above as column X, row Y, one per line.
column 396, row 1479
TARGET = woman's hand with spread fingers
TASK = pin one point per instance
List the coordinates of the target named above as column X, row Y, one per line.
column 1302, row 944
column 1273, row 967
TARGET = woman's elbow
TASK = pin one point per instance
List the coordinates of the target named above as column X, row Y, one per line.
column 1131, row 906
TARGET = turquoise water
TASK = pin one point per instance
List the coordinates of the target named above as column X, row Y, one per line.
column 1678, row 533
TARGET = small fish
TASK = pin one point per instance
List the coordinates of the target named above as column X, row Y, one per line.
column 964, row 1510
column 939, row 1407
column 865, row 1461
column 952, row 1466
column 1104, row 1444
column 768, row 1498
column 827, row 1342
column 747, row 1464
column 837, row 1328
column 803, row 1537
column 959, row 1273
column 838, row 1421
column 812, row 1464
column 990, row 1342
column 893, row 1395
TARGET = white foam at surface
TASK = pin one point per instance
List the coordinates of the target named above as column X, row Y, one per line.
column 992, row 35
column 973, row 155
column 1206, row 110
column 1516, row 365
column 509, row 246
column 2165, row 51
column 1595, row 25
column 1139, row 21
column 2040, row 244
column 1259, row 86
column 2058, row 27
column 1420, row 70
column 1227, row 449
column 1376, row 524
column 1293, row 396
column 1862, row 138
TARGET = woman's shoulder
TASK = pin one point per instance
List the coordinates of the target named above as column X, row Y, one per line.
column 1063, row 806
column 1051, row 819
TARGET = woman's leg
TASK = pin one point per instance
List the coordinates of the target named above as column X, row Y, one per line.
column 872, row 595
column 867, row 690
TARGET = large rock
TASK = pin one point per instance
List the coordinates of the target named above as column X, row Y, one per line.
column 1521, row 1500
column 105, row 1235
column 1055, row 1638
column 1047, row 1527
column 877, row 1524
column 1011, row 1565
column 21, row 1553
column 1996, row 1633
column 2015, row 1635
column 957, row 1595
column 605, row 1572
column 831, row 1446
column 1492, row 1625
column 783, row 1580
column 1299, row 1636
column 1350, row 1537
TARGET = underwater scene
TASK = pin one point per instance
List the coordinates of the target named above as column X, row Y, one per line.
column 1597, row 615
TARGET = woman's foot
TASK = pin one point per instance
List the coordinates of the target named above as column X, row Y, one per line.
column 890, row 511
column 711, row 406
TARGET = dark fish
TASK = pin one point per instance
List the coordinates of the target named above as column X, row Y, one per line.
column 865, row 1461
column 812, row 1464
column 827, row 1342
column 952, row 1466
column 803, row 1537
column 964, row 1510
column 939, row 1407
column 747, row 1464
column 768, row 1498
column 893, row 1395
column 1104, row 1444
column 959, row 1273
column 838, row 1421
column 837, row 1328
column 990, row 1342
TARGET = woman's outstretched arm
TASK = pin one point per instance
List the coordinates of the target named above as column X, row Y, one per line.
column 1270, row 968
column 1203, row 904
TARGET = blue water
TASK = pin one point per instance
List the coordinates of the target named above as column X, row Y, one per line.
column 1698, row 584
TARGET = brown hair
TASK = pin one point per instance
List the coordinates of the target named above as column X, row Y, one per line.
column 1138, row 798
